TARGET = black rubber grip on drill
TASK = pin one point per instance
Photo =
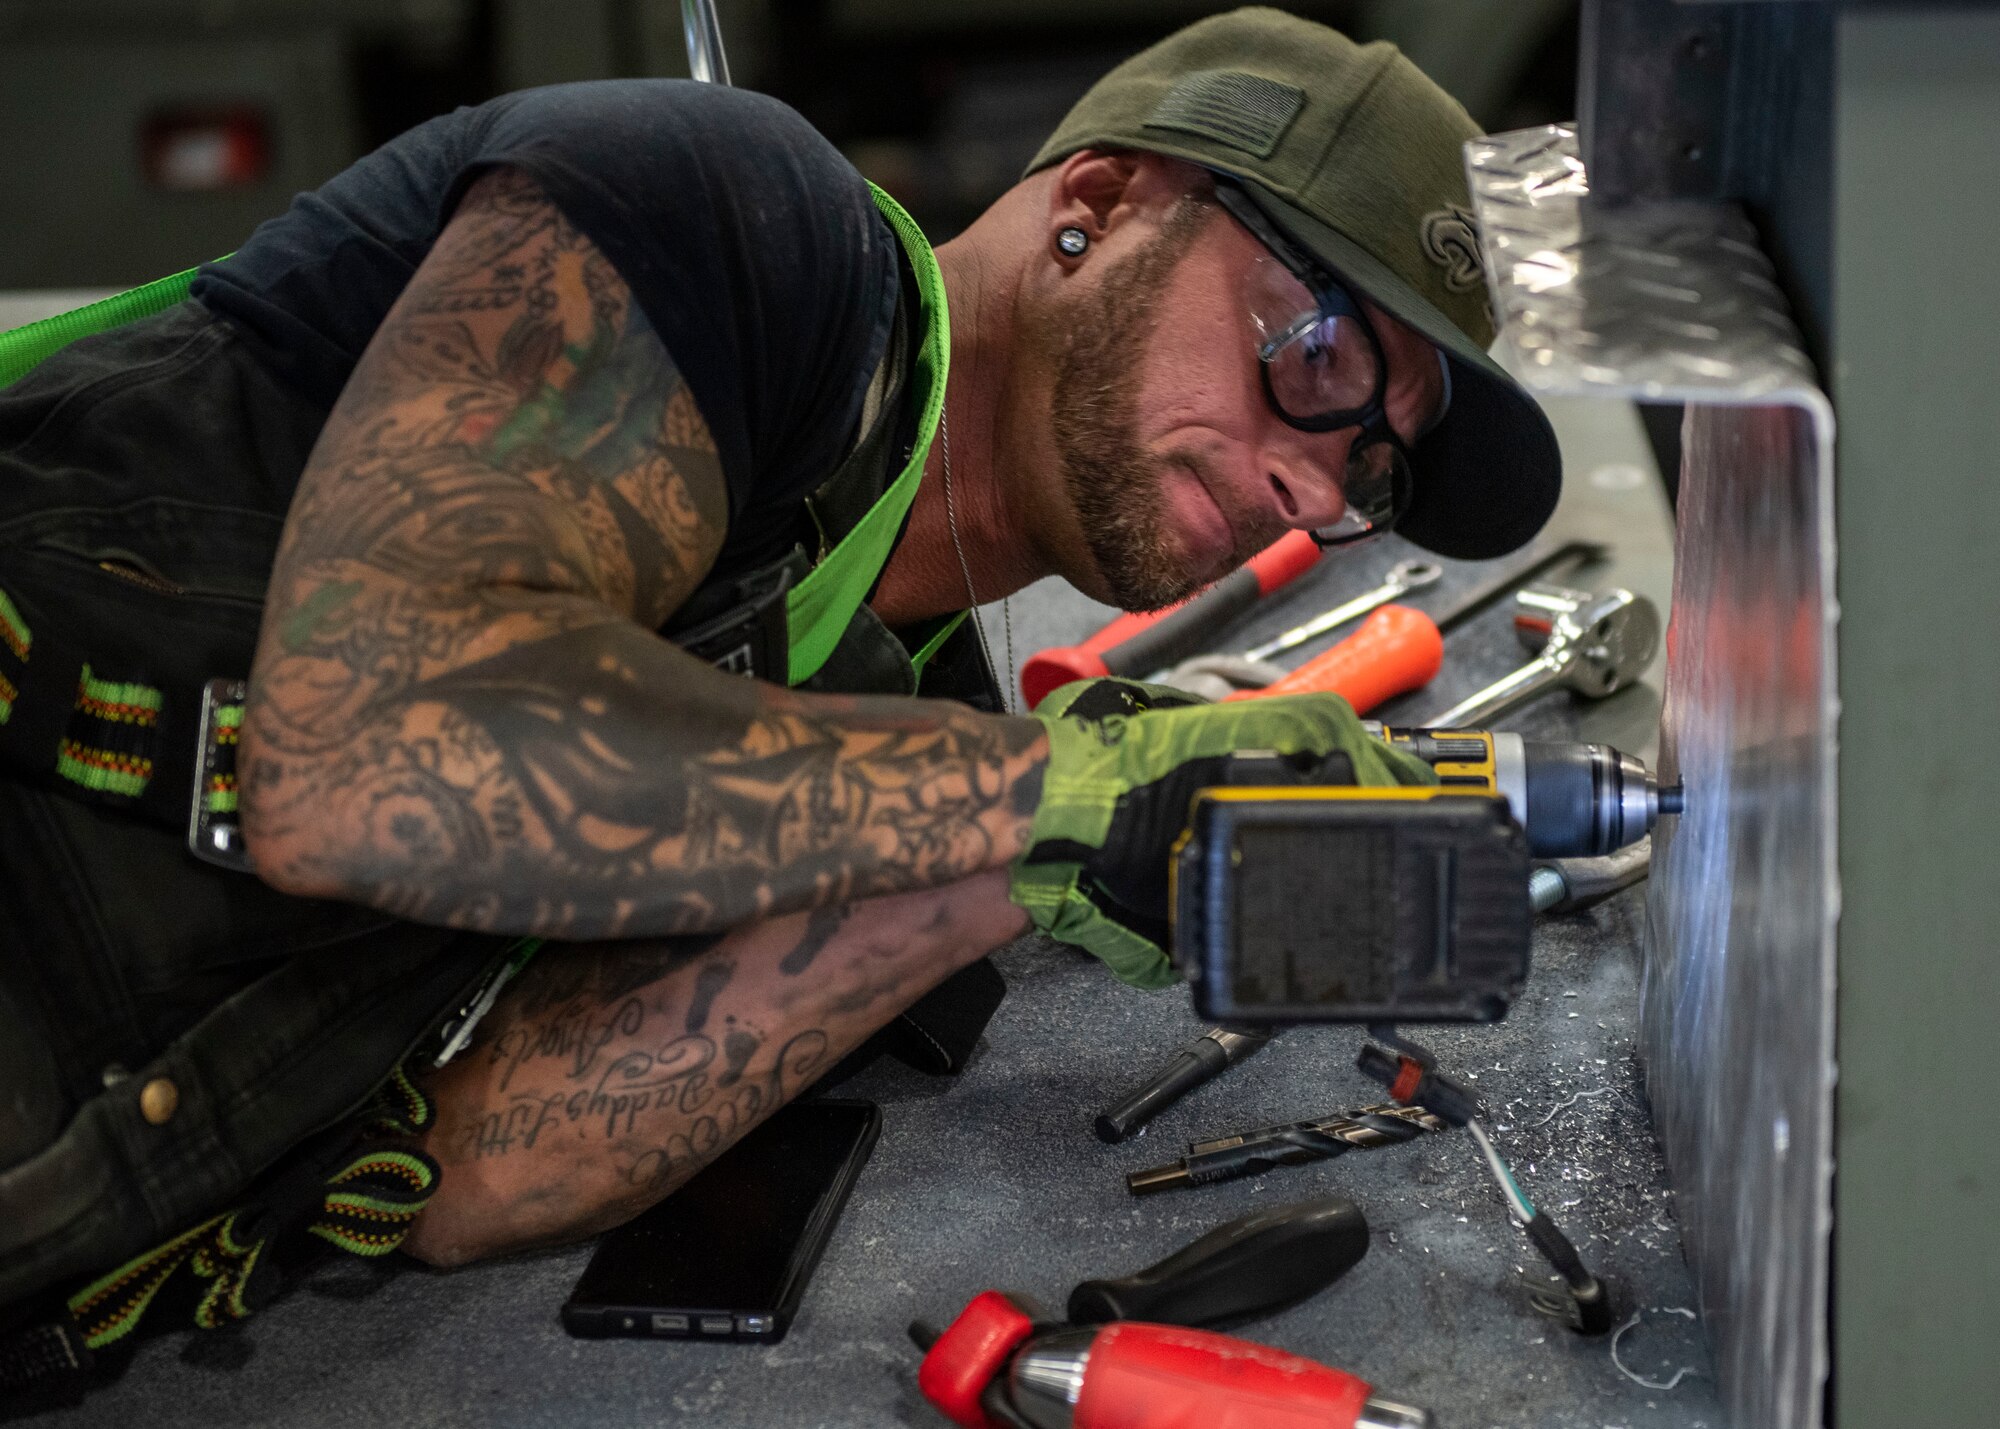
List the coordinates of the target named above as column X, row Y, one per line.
column 1247, row 1269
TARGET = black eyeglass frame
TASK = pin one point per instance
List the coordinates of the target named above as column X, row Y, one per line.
column 1333, row 299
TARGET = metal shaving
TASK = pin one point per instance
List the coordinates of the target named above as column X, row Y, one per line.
column 1639, row 1379
column 1574, row 1098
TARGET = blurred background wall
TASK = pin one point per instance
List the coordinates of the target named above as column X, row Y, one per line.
column 138, row 137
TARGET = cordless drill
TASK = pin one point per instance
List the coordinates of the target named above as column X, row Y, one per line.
column 1298, row 896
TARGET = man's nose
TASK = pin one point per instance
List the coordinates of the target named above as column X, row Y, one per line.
column 1306, row 484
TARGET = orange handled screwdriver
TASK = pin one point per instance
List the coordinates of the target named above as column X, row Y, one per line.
column 1396, row 650
column 1140, row 644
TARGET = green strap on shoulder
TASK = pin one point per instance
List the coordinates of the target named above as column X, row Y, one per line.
column 923, row 656
column 23, row 348
column 819, row 607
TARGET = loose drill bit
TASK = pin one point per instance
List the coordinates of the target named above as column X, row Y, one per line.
column 1293, row 1144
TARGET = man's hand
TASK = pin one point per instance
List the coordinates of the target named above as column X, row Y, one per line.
column 460, row 711
column 1123, row 770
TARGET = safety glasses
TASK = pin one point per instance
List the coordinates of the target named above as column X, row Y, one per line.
column 1323, row 370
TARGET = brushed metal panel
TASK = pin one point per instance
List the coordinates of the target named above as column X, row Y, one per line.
column 1675, row 302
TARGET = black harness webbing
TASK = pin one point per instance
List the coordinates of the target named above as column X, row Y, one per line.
column 162, row 746
column 114, row 741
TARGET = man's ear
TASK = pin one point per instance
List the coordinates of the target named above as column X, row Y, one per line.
column 1090, row 186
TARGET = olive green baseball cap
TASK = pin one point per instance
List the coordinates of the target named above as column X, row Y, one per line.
column 1355, row 156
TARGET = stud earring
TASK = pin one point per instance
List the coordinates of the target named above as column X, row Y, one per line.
column 1072, row 242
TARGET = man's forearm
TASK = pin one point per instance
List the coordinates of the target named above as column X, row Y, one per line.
column 597, row 782
column 610, row 1074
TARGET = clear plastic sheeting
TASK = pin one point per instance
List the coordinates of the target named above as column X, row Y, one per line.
column 1675, row 302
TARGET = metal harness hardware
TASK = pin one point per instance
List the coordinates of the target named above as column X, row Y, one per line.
column 215, row 833
column 108, row 739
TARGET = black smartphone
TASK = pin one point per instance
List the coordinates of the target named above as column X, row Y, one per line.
column 728, row 1255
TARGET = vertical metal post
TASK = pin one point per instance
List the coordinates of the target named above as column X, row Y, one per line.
column 1915, row 306
column 1859, row 136
column 706, row 62
column 1719, row 101
column 1653, row 97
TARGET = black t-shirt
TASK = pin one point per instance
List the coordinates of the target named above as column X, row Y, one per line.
column 752, row 247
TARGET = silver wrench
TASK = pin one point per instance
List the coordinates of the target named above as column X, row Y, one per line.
column 1404, row 577
column 1597, row 644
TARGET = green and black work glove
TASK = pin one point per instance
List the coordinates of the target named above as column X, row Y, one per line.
column 1125, row 762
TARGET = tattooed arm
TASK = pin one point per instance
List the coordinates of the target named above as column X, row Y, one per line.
column 460, row 712
column 607, row 1075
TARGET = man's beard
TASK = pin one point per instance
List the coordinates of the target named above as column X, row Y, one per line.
column 1113, row 489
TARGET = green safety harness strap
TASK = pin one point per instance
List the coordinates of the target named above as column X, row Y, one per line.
column 820, row 606
column 930, row 646
column 364, row 1203
column 128, row 743
column 24, row 347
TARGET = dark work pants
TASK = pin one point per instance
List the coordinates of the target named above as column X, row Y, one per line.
column 164, row 454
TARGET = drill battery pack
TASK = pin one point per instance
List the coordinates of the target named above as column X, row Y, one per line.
column 1328, row 903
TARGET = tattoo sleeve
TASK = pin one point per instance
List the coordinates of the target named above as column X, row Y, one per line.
column 460, row 711
column 608, row 1073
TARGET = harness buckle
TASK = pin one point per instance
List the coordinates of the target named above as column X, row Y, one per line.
column 751, row 637
column 215, row 834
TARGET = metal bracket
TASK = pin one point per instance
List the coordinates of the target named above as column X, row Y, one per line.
column 1676, row 302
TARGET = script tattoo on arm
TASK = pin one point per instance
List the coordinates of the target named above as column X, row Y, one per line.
column 660, row 1101
column 592, row 1089
column 460, row 711
column 609, row 1073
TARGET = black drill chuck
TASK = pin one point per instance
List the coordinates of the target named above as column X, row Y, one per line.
column 1583, row 800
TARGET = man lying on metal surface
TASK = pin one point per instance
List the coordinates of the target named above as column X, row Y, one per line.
column 505, row 454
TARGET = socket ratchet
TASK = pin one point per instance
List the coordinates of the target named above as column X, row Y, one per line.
column 1596, row 645
column 1404, row 577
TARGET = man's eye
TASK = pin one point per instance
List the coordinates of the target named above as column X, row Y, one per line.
column 1319, row 347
